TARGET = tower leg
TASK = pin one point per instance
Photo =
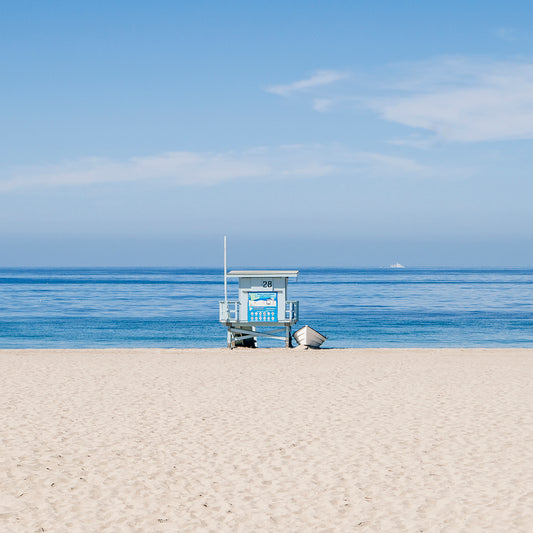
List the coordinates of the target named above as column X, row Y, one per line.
column 254, row 340
column 288, row 338
column 230, row 340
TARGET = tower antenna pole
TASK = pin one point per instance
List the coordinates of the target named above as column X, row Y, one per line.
column 225, row 273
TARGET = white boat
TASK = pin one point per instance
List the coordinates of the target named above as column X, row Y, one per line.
column 307, row 336
column 396, row 265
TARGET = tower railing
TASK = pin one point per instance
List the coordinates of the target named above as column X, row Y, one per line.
column 230, row 312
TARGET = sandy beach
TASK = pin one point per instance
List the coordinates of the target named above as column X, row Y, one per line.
column 266, row 440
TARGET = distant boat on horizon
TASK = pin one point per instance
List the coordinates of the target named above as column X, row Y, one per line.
column 396, row 265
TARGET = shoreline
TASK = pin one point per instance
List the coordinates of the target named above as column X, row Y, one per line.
column 296, row 349
column 266, row 439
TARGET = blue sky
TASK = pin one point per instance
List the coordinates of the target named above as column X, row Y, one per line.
column 315, row 133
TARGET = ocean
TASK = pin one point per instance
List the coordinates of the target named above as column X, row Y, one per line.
column 178, row 308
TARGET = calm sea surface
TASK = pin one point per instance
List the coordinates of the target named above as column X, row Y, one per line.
column 156, row 307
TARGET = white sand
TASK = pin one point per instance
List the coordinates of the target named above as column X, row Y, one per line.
column 266, row 440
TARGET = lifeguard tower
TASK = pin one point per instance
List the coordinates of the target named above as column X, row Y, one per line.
column 262, row 310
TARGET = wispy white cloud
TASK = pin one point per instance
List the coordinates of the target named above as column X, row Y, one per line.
column 456, row 99
column 415, row 141
column 203, row 169
column 322, row 104
column 318, row 79
column 465, row 101
column 507, row 34
column 185, row 168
